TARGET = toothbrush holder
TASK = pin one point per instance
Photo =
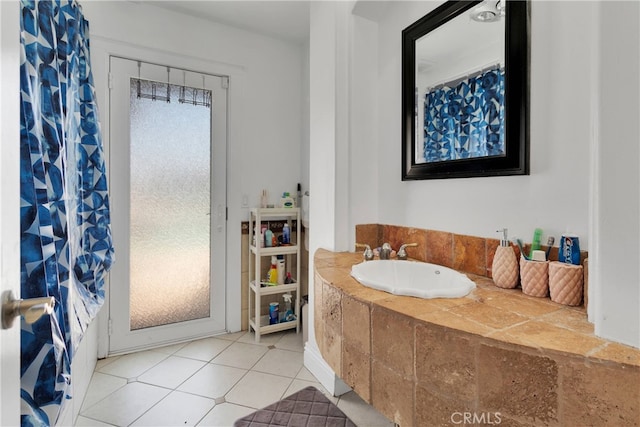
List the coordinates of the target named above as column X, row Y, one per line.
column 566, row 283
column 534, row 277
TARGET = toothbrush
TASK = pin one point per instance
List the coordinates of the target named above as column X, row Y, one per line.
column 535, row 243
column 518, row 242
column 550, row 241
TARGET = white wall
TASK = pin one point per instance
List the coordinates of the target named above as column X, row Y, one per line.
column 555, row 195
column 265, row 107
column 328, row 150
column 616, row 215
column 82, row 367
column 304, row 146
column 364, row 139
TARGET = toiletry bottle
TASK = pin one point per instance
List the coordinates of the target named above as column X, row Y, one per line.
column 286, row 234
column 281, row 269
column 263, row 230
column 288, row 314
column 505, row 267
column 264, row 199
column 287, row 201
column 272, row 277
column 268, row 238
column 288, row 280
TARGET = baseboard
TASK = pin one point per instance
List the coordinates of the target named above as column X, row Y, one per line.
column 314, row 362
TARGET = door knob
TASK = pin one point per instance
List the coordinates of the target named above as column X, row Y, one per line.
column 32, row 309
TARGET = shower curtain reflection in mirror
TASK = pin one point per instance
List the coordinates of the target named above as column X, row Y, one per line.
column 465, row 118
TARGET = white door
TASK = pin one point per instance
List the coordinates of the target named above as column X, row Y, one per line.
column 9, row 206
column 168, row 204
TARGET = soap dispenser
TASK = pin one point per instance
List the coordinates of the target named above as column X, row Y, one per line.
column 505, row 264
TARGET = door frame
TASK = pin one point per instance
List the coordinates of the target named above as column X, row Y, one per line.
column 10, row 205
column 122, row 339
column 101, row 50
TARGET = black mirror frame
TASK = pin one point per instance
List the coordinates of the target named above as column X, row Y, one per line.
column 516, row 160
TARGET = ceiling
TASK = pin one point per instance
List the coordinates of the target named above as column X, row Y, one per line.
column 287, row 19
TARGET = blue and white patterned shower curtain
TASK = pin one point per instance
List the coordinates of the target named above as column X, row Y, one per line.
column 66, row 246
column 465, row 120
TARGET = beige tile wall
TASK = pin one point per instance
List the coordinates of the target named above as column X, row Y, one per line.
column 469, row 254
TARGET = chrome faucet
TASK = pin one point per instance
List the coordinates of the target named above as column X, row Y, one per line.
column 385, row 251
column 368, row 253
column 402, row 253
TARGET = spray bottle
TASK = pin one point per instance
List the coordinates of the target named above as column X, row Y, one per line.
column 288, row 314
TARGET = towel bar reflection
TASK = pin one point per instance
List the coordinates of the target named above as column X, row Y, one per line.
column 31, row 309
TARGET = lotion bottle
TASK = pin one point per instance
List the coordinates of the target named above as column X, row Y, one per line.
column 273, row 272
column 505, row 269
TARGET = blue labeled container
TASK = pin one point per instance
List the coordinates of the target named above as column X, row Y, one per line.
column 274, row 313
column 569, row 251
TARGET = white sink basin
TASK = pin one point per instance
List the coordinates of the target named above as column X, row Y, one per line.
column 416, row 279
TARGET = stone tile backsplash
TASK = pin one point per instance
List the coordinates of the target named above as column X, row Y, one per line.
column 469, row 254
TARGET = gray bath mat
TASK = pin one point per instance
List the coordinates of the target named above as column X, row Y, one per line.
column 306, row 408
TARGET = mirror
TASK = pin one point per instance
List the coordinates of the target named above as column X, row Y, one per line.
column 465, row 91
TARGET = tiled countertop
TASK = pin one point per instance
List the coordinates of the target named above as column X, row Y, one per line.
column 505, row 315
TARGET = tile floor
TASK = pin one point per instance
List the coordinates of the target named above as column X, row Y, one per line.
column 208, row 382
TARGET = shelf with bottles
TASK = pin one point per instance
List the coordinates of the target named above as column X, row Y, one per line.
column 269, row 241
column 266, row 288
column 277, row 250
column 284, row 250
column 279, row 302
column 266, row 328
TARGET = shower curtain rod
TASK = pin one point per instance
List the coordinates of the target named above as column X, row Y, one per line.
column 207, row 94
column 457, row 80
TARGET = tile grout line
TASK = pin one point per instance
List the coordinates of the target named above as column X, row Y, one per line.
column 130, row 380
column 176, row 388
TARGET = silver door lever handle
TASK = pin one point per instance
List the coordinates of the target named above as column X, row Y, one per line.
column 32, row 309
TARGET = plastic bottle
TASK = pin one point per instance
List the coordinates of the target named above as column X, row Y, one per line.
column 288, row 314
column 268, row 238
column 287, row 201
column 505, row 268
column 286, row 234
column 281, row 269
column 272, row 276
column 288, row 280
column 274, row 313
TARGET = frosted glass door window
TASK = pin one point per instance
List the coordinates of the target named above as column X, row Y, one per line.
column 170, row 208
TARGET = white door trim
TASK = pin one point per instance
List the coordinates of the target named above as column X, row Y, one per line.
column 101, row 50
column 122, row 338
column 10, row 205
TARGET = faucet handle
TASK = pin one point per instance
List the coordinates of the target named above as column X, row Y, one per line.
column 368, row 253
column 402, row 253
